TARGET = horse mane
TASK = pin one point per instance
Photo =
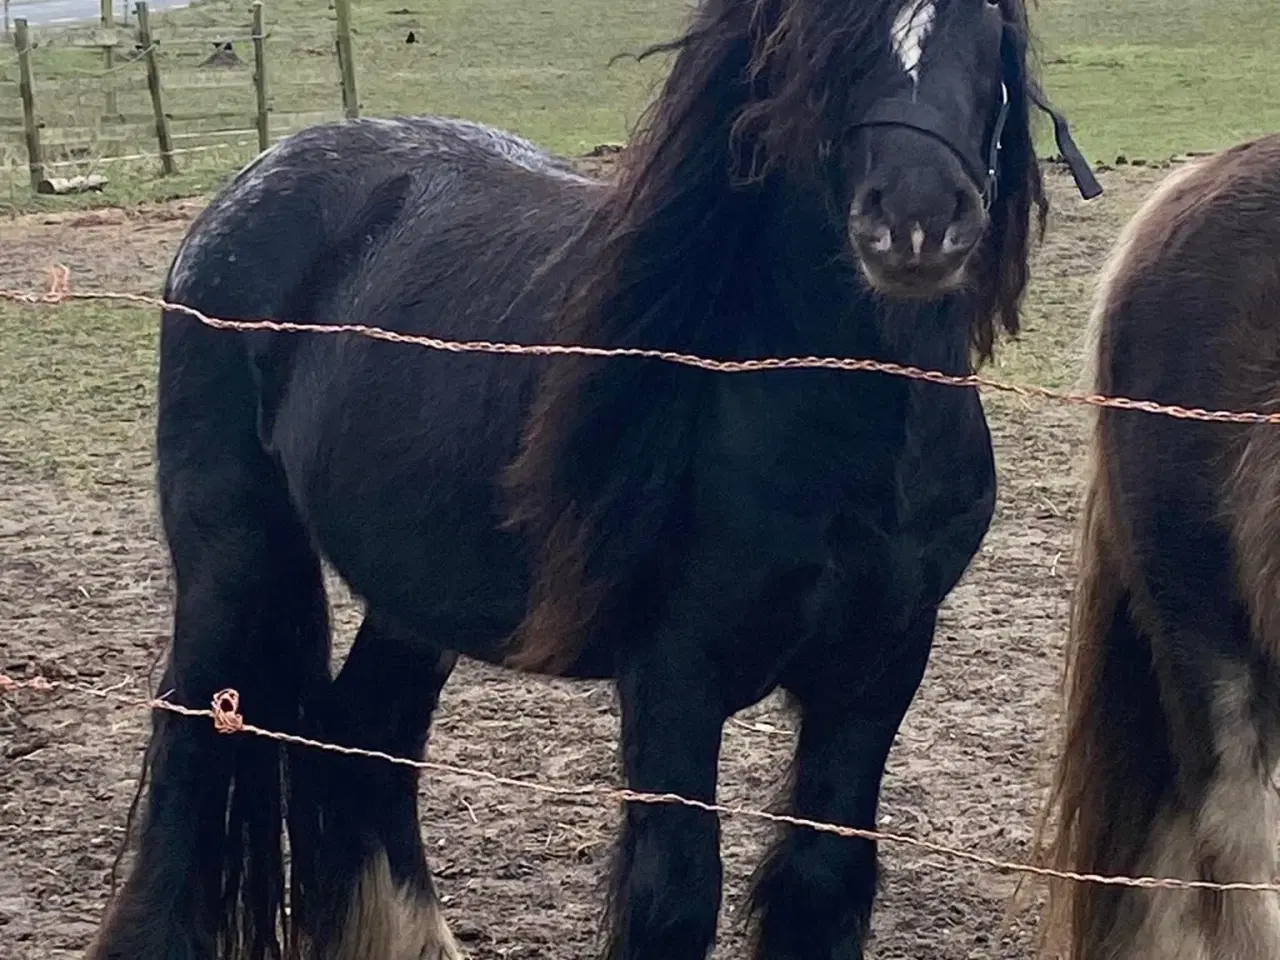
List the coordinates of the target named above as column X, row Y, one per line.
column 1002, row 264
column 758, row 87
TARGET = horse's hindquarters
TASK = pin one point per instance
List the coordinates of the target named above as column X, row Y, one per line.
column 1173, row 720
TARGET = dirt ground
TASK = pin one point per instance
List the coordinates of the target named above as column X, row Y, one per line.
column 84, row 596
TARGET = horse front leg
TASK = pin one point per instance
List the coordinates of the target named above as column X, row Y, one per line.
column 813, row 893
column 665, row 897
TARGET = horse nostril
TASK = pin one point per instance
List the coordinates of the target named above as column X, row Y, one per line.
column 963, row 231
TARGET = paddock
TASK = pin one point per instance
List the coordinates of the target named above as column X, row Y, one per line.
column 84, row 599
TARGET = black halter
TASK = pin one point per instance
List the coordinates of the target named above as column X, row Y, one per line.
column 929, row 120
column 899, row 112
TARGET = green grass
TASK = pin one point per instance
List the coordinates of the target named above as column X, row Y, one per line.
column 1142, row 78
column 77, row 387
column 540, row 67
column 1152, row 78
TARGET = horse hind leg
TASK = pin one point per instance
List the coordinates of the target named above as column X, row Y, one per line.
column 362, row 885
column 1222, row 829
column 250, row 613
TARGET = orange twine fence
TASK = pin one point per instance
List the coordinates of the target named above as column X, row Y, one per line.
column 60, row 292
column 224, row 712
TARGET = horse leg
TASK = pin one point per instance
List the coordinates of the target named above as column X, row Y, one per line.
column 667, row 874
column 813, row 893
column 1219, row 824
column 1173, row 731
column 362, row 885
column 250, row 613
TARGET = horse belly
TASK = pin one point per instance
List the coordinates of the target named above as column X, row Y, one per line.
column 393, row 457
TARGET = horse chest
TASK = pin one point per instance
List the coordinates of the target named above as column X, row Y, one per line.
column 784, row 459
column 830, row 476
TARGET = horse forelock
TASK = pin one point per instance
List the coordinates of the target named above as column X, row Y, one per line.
column 810, row 61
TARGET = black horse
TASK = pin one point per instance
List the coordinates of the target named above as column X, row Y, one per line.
column 817, row 177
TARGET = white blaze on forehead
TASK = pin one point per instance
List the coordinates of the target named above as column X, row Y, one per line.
column 910, row 30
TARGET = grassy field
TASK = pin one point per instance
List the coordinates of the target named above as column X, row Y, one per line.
column 1151, row 78
column 1143, row 79
column 541, row 68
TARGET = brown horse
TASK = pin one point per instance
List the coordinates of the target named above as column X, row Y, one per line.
column 1173, row 663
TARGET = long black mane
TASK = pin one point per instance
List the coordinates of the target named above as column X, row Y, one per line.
column 758, row 92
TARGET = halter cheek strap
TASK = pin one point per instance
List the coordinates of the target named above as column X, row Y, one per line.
column 929, row 120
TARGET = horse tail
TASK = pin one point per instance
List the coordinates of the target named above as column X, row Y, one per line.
column 1164, row 766
column 250, row 613
column 1107, row 786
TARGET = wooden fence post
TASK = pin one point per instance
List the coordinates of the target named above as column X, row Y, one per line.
column 260, row 75
column 346, row 59
column 108, row 18
column 153, row 85
column 27, row 90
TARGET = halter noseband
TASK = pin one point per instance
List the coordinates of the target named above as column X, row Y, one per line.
column 929, row 120
column 899, row 112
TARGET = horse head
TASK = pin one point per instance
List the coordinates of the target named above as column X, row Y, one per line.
column 915, row 115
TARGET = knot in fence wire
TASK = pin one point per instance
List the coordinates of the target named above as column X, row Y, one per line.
column 226, row 711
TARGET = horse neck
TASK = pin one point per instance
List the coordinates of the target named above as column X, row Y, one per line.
column 797, row 255
column 804, row 294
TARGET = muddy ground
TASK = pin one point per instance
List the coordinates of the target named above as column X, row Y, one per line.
column 84, row 595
